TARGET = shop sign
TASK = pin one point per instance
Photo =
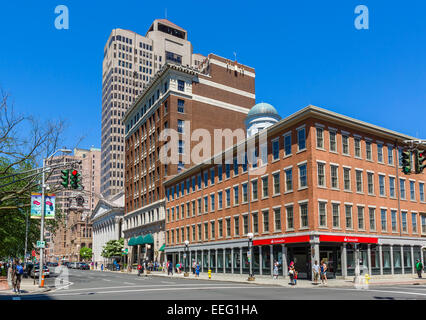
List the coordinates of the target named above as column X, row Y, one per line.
column 347, row 239
column 282, row 240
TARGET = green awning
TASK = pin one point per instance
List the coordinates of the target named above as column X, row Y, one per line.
column 132, row 242
column 148, row 239
column 139, row 240
column 162, row 247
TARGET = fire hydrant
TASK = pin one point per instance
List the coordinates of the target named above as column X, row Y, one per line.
column 210, row 274
column 367, row 277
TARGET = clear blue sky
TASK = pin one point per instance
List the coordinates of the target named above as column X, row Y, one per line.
column 304, row 52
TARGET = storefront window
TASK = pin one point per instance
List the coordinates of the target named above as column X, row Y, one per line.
column 255, row 263
column 278, row 256
column 375, row 260
column 228, row 261
column 237, row 260
column 397, row 260
column 244, row 259
column 386, row 260
column 266, row 260
column 350, row 261
column 205, row 261
column 417, row 255
column 213, row 260
column 407, row 259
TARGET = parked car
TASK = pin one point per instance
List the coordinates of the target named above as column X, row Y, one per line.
column 35, row 271
column 73, row 265
column 83, row 266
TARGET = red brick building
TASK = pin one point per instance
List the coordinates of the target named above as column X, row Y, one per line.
column 331, row 189
column 217, row 94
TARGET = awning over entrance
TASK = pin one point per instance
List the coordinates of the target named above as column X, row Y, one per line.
column 148, row 239
column 132, row 242
column 139, row 240
column 282, row 240
column 162, row 247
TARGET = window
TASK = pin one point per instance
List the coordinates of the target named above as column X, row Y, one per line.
column 245, row 224
column 228, row 197
column 199, row 181
column 206, row 204
column 320, row 138
column 265, row 221
column 422, row 191
column 361, row 218
column 180, row 166
column 199, row 206
column 181, row 106
column 333, row 144
column 402, row 188
column 193, row 208
column 235, row 166
column 177, row 213
column 212, row 176
column 236, row 226
column 255, row 223
column 348, row 215
column 199, row 232
column 220, row 202
column 383, row 218
column 302, row 176
column 275, row 149
column 304, row 215
column 358, row 176
column 206, row 178
column 193, row 233
column 236, row 191
column 370, row 181
column 254, row 190
column 277, row 219
column 390, row 155
column 334, row 176
column 212, row 202
column 322, row 213
column 290, row 217
column 264, row 187
column 380, row 152
column 414, row 222
column 393, row 219
column 392, row 187
column 228, row 227
column 404, row 221
column 423, row 221
column 382, row 185
column 244, row 187
column 347, row 179
column 301, row 139
column 181, row 85
column 288, row 180
column 181, row 147
column 228, row 170
column 321, row 174
column 206, row 230
column 219, row 172
column 345, row 144
column 372, row 214
column 287, row 144
column 368, row 152
column 276, row 180
column 220, row 228
column 412, row 190
column 336, row 215
column 357, row 145
column 212, row 225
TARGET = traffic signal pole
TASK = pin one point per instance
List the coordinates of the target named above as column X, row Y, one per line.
column 41, row 227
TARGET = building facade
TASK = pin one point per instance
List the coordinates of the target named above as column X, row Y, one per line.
column 130, row 62
column 328, row 188
column 216, row 95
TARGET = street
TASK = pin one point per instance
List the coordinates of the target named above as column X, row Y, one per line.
column 88, row 285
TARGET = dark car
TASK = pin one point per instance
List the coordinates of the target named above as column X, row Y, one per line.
column 35, row 271
column 83, row 266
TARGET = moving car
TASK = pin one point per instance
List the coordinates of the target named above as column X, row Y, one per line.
column 83, row 266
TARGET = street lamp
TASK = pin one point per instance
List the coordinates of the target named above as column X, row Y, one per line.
column 186, row 274
column 250, row 255
column 43, row 187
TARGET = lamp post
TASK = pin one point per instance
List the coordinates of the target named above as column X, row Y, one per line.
column 250, row 255
column 186, row 274
column 43, row 187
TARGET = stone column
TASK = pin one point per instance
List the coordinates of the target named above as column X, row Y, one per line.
column 284, row 254
column 224, row 260
column 260, row 260
column 202, row 260
column 208, row 260
column 241, row 260
column 412, row 260
column 421, row 255
column 344, row 261
column 314, row 256
column 271, row 258
column 369, row 258
column 215, row 260
column 139, row 253
column 232, row 260
column 402, row 259
column 190, row 261
column 381, row 259
column 391, row 258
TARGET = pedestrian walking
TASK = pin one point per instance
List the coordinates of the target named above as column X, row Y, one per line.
column 18, row 271
column 139, row 269
column 96, row 265
column 170, row 268
column 194, row 265
column 197, row 270
column 419, row 268
column 316, row 269
column 276, row 270
column 164, row 266
column 293, row 274
column 102, row 267
column 323, row 272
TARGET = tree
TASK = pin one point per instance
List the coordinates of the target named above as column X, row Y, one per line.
column 113, row 248
column 86, row 253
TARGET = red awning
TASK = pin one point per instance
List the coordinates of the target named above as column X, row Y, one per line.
column 281, row 240
column 347, row 239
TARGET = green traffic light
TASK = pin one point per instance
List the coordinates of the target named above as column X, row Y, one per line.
column 65, row 178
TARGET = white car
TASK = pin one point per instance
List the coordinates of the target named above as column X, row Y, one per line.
column 35, row 271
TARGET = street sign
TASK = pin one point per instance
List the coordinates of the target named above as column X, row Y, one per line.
column 41, row 244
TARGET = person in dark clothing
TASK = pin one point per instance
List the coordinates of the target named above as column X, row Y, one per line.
column 170, row 268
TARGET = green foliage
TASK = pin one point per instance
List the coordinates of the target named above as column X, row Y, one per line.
column 112, row 248
column 86, row 253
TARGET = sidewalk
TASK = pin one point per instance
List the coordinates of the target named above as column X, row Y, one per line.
column 27, row 287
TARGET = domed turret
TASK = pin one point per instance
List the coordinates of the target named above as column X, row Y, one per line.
column 261, row 116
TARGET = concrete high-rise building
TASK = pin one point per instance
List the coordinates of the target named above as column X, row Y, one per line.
column 66, row 199
column 130, row 62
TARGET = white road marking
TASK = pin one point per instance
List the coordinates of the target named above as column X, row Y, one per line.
column 168, row 282
column 382, row 291
column 106, row 279
column 128, row 283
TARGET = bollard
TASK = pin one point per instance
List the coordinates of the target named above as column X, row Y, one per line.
column 210, row 274
column 42, row 280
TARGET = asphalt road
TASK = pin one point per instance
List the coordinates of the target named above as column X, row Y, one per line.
column 87, row 285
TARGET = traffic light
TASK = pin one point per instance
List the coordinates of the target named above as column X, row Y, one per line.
column 406, row 162
column 419, row 158
column 65, row 178
column 75, row 179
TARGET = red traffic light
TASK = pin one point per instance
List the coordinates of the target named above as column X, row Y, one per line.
column 74, row 172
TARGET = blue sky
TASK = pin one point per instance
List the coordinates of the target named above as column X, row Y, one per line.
column 304, row 52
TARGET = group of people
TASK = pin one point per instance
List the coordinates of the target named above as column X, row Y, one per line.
column 169, row 267
column 318, row 270
column 15, row 271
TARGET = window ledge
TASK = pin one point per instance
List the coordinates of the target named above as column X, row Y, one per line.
column 288, row 156
column 302, row 188
column 275, row 160
column 300, row 151
column 290, row 191
column 321, row 149
column 276, row 195
column 322, row 187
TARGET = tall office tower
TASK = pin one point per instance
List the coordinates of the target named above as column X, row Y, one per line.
column 67, row 200
column 130, row 62
column 217, row 94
